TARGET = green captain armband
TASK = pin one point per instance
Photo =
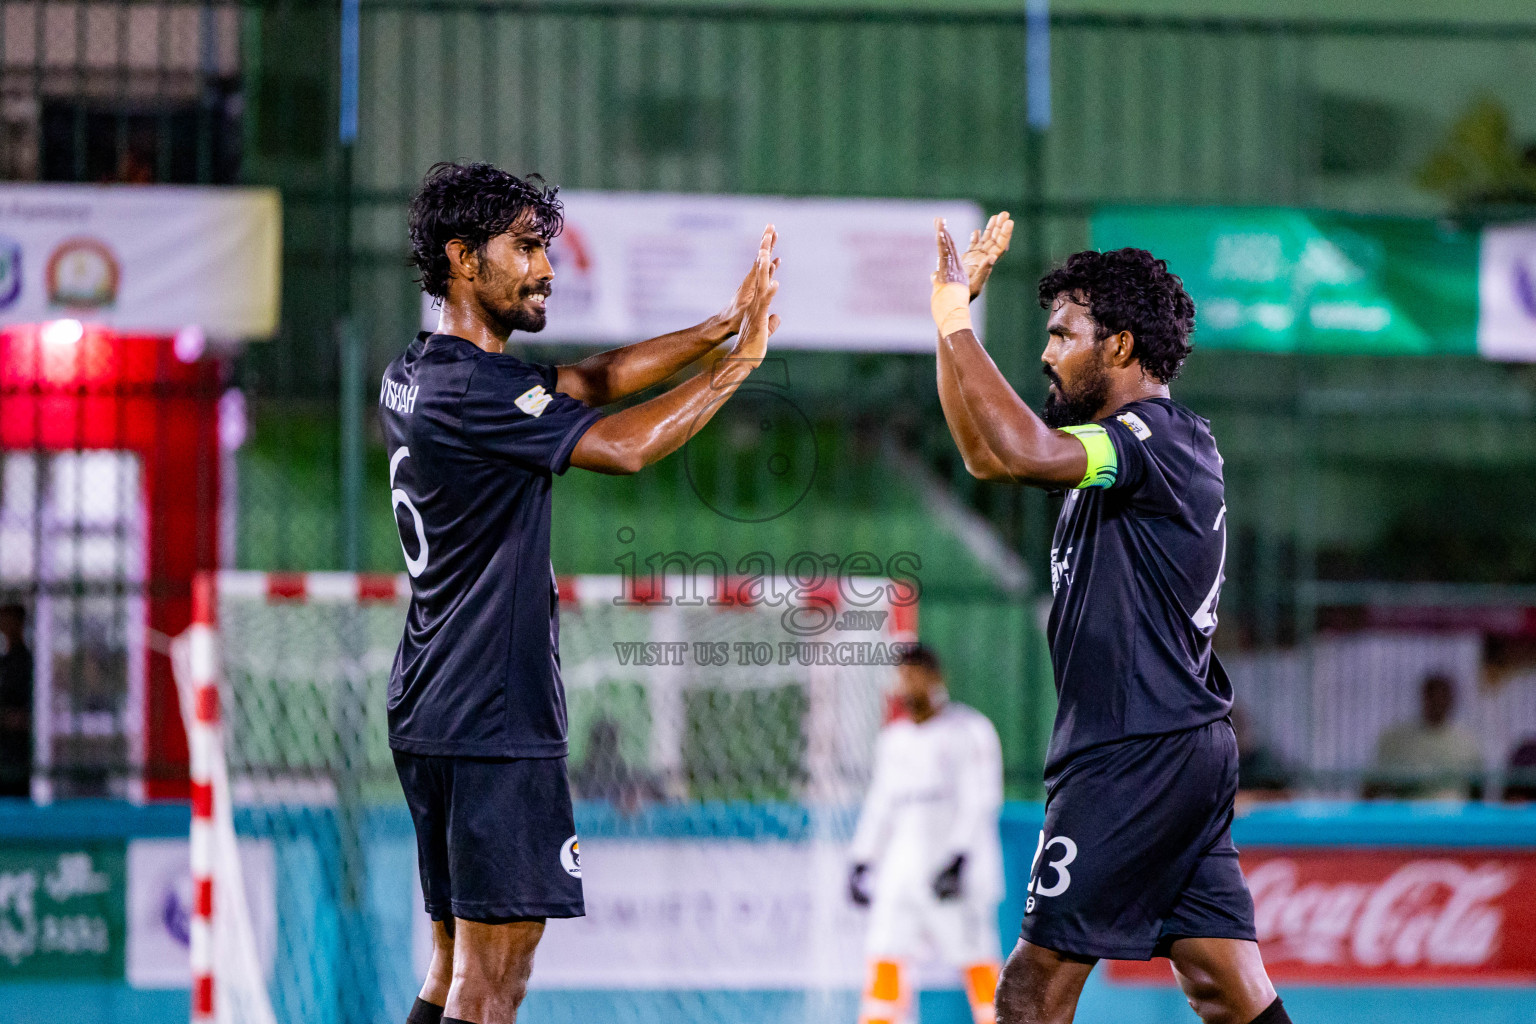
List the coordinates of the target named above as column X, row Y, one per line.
column 1103, row 464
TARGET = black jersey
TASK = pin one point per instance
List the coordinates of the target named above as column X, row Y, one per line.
column 1136, row 570
column 474, row 440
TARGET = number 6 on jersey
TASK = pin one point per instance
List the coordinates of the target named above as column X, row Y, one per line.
column 398, row 497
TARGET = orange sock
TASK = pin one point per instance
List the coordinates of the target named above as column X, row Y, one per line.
column 981, row 990
column 883, row 999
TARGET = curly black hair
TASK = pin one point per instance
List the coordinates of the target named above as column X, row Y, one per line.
column 1130, row 290
column 474, row 203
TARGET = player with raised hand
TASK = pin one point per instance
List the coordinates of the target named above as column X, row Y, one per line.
column 475, row 436
column 1136, row 858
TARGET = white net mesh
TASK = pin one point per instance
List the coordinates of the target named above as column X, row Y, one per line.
column 694, row 729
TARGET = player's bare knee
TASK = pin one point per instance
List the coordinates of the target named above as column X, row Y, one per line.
column 1211, row 1002
column 442, row 943
column 1199, row 986
column 501, row 973
column 512, row 989
column 495, row 962
column 1224, row 981
column 1009, row 978
column 492, row 989
column 1030, row 986
column 1202, row 993
column 434, row 987
column 1217, row 1011
column 1206, row 1002
column 439, row 975
column 1014, row 1000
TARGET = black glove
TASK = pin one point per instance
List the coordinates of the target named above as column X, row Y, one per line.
column 948, row 883
column 858, row 882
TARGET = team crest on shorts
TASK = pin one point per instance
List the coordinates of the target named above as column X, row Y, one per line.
column 570, row 857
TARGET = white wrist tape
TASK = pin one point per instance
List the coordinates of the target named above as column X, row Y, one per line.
column 951, row 305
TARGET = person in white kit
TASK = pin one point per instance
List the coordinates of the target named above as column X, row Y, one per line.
column 927, row 860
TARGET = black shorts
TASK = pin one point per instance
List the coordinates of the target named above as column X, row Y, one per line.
column 1137, row 849
column 495, row 837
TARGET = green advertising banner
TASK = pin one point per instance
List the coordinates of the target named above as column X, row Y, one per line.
column 62, row 910
column 1282, row 280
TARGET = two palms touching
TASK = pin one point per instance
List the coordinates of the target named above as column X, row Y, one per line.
column 748, row 311
column 756, row 323
column 746, row 315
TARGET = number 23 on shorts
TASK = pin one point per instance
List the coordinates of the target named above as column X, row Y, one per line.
column 1068, row 853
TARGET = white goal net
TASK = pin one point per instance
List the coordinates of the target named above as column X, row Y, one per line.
column 713, row 723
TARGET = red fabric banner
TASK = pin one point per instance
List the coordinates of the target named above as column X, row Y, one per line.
column 1386, row 916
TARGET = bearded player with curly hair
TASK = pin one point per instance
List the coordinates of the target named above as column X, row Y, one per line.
column 477, row 719
column 1136, row 857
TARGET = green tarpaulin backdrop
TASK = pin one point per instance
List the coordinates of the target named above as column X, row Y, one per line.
column 1280, row 280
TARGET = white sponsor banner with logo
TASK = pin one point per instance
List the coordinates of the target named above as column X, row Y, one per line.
column 1506, row 323
column 629, row 266
column 142, row 258
column 703, row 914
column 160, row 908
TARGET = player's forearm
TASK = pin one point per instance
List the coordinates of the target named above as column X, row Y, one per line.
column 980, row 461
column 618, row 373
column 628, row 441
column 1028, row 450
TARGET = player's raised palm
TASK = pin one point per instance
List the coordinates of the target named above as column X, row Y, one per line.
column 757, row 324
column 950, row 269
column 735, row 310
column 986, row 248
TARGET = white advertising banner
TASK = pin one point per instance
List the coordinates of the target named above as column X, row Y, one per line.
column 703, row 914
column 1506, row 323
column 854, row 272
column 142, row 258
column 160, row 908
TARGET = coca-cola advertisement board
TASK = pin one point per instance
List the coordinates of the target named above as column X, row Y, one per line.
column 1410, row 916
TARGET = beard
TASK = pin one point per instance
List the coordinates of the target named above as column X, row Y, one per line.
column 516, row 315
column 527, row 319
column 1072, row 407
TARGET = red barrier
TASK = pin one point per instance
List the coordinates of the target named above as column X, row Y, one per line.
column 1386, row 916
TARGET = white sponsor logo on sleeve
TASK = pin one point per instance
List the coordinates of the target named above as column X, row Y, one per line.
column 534, row 400
column 1135, row 425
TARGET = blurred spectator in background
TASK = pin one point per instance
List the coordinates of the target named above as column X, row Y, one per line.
column 15, row 703
column 1521, row 784
column 604, row 774
column 1431, row 759
column 926, row 858
column 1261, row 774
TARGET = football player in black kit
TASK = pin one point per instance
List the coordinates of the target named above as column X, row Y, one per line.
column 475, row 435
column 1136, row 858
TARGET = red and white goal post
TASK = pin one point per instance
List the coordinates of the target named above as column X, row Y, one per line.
column 227, row 982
